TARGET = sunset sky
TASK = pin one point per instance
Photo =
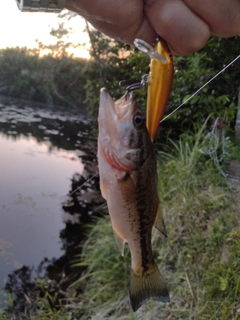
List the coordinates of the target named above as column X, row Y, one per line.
column 21, row 29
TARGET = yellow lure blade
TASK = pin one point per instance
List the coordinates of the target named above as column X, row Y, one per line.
column 159, row 87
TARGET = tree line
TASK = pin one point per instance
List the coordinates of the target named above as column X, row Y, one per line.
column 61, row 79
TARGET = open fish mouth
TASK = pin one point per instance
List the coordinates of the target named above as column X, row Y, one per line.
column 116, row 110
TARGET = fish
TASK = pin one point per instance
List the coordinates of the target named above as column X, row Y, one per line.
column 128, row 182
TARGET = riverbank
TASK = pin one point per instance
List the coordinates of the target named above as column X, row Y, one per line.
column 199, row 259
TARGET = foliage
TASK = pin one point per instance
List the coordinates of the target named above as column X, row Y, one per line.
column 106, row 272
column 49, row 80
column 200, row 215
column 218, row 98
column 111, row 62
column 61, row 79
column 235, row 151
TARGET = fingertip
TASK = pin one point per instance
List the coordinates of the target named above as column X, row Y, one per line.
column 184, row 31
column 144, row 32
column 190, row 44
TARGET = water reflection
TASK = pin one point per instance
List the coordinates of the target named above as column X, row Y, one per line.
column 33, row 185
column 45, row 155
column 23, row 281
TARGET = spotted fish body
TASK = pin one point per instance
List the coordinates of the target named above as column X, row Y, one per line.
column 128, row 181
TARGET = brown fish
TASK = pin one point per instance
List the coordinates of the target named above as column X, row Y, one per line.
column 128, row 181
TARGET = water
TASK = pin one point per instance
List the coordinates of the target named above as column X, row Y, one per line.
column 44, row 154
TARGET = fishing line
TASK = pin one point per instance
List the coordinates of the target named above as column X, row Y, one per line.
column 200, row 89
column 167, row 116
column 83, row 184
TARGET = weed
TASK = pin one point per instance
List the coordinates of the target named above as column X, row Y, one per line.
column 105, row 279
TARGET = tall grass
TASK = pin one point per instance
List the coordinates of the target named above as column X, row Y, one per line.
column 105, row 281
column 200, row 215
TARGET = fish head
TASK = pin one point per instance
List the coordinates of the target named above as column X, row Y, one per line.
column 123, row 136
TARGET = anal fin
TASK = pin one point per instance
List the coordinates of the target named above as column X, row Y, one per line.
column 159, row 222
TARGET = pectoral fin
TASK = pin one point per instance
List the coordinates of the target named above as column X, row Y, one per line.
column 159, row 222
column 120, row 241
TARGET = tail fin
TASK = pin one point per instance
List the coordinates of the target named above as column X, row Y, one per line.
column 148, row 286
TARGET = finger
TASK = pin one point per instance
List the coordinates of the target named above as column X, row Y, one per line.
column 223, row 17
column 183, row 30
column 123, row 21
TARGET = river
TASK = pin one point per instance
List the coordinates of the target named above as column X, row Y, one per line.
column 45, row 153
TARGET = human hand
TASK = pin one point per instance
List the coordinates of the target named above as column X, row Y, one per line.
column 185, row 25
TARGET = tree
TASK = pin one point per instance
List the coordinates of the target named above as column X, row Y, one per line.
column 111, row 62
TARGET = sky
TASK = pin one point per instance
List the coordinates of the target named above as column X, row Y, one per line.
column 22, row 28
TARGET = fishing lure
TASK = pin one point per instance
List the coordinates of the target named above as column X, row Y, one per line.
column 159, row 81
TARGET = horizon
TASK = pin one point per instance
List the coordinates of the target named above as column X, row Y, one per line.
column 29, row 27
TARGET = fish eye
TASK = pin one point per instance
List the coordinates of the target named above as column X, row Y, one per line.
column 139, row 119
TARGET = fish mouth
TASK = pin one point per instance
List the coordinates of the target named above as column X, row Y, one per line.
column 126, row 106
column 116, row 111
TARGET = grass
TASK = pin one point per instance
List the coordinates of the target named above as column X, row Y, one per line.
column 106, row 275
column 201, row 216
column 41, row 310
column 235, row 150
column 199, row 260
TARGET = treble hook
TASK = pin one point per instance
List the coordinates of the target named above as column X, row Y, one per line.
column 137, row 85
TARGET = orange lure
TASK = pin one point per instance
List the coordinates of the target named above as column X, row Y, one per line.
column 159, row 87
column 159, row 81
